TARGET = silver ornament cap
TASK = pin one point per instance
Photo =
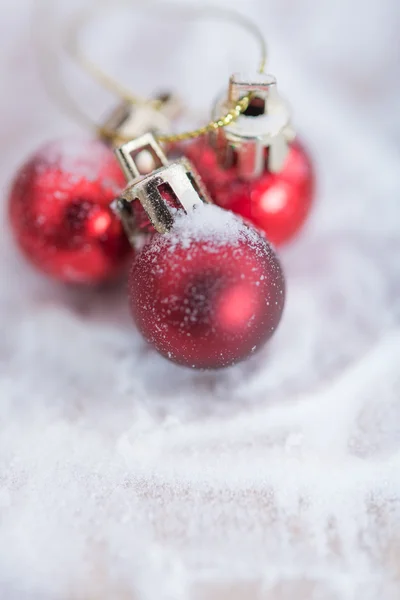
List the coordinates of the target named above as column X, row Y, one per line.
column 265, row 124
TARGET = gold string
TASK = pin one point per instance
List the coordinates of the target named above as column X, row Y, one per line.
column 110, row 83
column 228, row 118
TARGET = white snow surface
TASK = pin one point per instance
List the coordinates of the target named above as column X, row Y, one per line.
column 123, row 476
column 209, row 223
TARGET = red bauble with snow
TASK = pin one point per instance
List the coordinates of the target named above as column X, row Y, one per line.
column 277, row 203
column 59, row 208
column 208, row 293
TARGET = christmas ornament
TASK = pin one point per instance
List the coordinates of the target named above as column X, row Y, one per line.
column 254, row 166
column 206, row 290
column 60, row 199
column 60, row 214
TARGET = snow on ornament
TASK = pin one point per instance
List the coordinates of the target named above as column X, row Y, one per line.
column 208, row 293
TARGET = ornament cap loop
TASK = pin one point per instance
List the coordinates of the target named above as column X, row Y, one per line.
column 140, row 156
column 241, row 84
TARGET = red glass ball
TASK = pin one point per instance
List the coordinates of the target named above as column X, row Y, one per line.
column 59, row 208
column 208, row 293
column 277, row 203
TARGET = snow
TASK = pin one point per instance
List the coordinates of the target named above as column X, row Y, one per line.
column 123, row 476
column 209, row 223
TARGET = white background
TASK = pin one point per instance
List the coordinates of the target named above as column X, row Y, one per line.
column 123, row 476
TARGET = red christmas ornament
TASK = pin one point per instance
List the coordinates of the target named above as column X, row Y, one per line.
column 208, row 293
column 60, row 213
column 277, row 203
column 252, row 166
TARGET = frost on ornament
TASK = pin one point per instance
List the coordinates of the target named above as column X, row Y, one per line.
column 208, row 293
column 59, row 208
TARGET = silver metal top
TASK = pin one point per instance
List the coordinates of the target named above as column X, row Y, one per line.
column 265, row 124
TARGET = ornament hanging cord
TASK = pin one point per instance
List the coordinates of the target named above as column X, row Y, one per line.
column 125, row 94
column 58, row 90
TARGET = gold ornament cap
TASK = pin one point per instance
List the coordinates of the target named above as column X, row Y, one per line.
column 167, row 188
column 129, row 121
